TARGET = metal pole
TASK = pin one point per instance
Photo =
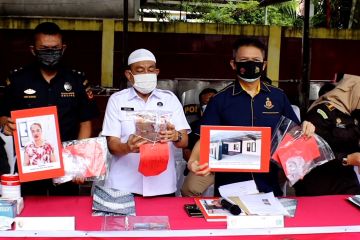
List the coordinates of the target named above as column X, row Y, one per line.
column 125, row 40
column 266, row 15
column 305, row 81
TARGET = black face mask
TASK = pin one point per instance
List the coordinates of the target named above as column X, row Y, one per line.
column 249, row 71
column 49, row 58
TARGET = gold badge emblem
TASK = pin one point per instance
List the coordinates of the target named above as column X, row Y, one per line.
column 268, row 104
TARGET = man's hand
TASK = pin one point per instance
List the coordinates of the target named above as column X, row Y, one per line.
column 8, row 125
column 353, row 159
column 170, row 134
column 134, row 142
column 308, row 129
column 200, row 170
column 78, row 180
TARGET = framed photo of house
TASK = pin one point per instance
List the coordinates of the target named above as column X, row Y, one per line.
column 235, row 148
column 37, row 143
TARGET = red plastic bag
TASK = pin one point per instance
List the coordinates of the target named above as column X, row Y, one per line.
column 154, row 158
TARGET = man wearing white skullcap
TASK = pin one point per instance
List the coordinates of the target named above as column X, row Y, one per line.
column 141, row 55
column 127, row 169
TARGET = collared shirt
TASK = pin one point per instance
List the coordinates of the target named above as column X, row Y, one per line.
column 119, row 123
column 26, row 88
column 233, row 106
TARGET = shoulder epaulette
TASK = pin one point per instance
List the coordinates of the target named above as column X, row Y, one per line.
column 16, row 70
column 77, row 72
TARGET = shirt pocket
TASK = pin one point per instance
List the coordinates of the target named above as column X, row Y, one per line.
column 127, row 122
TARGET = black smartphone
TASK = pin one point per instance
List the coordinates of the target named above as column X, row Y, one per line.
column 193, row 210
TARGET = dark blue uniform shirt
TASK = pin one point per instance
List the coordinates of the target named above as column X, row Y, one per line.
column 233, row 106
column 68, row 91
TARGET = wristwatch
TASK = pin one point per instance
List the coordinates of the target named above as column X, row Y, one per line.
column 179, row 137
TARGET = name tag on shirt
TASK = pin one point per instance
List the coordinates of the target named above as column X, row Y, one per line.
column 127, row 109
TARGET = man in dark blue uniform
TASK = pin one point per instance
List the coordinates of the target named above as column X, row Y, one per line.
column 47, row 83
column 248, row 102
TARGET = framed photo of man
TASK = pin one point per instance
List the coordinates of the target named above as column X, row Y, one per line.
column 235, row 148
column 37, row 143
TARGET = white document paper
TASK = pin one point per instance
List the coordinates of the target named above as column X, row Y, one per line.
column 45, row 223
column 5, row 223
column 253, row 221
column 263, row 204
column 238, row 189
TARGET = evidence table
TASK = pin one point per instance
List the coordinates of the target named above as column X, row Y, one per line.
column 323, row 217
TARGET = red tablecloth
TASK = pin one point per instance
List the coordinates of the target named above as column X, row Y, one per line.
column 311, row 212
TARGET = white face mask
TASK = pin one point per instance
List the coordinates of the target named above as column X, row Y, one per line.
column 145, row 83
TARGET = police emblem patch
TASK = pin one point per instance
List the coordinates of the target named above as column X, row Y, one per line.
column 67, row 87
column 268, row 104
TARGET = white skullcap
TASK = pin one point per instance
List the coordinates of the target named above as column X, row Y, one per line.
column 141, row 55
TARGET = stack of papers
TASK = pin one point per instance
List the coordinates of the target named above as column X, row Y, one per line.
column 247, row 197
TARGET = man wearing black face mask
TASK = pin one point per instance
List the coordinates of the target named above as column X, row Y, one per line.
column 247, row 102
column 47, row 83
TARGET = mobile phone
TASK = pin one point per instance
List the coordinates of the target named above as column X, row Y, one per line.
column 193, row 210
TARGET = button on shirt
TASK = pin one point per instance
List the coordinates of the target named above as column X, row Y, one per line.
column 233, row 106
column 67, row 90
column 118, row 123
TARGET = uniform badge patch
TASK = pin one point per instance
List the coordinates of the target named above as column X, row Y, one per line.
column 268, row 104
column 339, row 124
column 67, row 86
column 29, row 91
column 322, row 113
